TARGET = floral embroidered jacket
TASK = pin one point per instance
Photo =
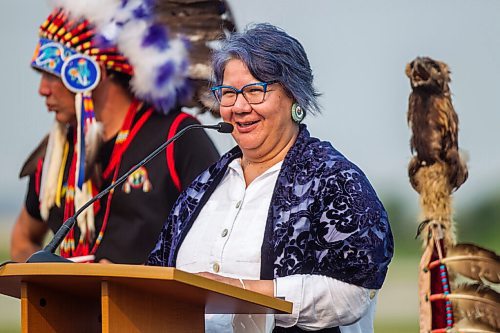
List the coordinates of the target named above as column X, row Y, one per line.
column 324, row 218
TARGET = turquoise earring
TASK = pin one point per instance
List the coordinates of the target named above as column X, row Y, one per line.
column 297, row 113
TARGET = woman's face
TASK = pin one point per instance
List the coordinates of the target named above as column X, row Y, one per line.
column 259, row 129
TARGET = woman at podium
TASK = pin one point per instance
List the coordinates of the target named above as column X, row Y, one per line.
column 282, row 213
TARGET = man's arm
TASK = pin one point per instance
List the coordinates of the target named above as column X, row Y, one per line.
column 27, row 236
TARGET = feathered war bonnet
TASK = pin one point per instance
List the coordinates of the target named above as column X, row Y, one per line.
column 75, row 40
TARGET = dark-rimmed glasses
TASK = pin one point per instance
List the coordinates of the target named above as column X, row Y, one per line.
column 254, row 93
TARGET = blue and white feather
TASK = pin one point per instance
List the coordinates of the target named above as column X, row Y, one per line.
column 160, row 62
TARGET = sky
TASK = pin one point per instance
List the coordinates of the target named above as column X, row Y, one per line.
column 358, row 51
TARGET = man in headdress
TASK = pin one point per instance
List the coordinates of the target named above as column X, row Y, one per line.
column 115, row 80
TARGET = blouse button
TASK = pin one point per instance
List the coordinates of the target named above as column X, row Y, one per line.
column 224, row 233
column 238, row 204
column 216, row 267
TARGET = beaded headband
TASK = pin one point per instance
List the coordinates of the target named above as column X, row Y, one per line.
column 67, row 49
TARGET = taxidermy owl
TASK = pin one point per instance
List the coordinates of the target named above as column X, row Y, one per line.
column 458, row 283
column 433, row 121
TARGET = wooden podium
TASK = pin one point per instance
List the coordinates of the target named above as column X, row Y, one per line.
column 70, row 297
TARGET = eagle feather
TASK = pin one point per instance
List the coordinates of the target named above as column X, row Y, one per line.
column 476, row 302
column 473, row 262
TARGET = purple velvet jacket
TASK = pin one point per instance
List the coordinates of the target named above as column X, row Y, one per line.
column 324, row 218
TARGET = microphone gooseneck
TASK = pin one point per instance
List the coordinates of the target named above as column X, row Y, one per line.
column 47, row 254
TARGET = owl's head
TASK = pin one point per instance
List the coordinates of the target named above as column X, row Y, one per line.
column 428, row 75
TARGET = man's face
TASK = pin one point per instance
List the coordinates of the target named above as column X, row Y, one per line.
column 58, row 98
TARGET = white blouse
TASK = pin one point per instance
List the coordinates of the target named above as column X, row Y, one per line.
column 226, row 239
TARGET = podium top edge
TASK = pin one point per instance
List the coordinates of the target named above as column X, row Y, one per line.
column 90, row 269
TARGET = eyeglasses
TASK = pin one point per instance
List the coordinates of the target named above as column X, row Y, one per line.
column 254, row 93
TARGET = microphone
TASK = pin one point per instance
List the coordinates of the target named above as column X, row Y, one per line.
column 222, row 127
column 47, row 254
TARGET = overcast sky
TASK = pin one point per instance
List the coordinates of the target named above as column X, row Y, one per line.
column 358, row 51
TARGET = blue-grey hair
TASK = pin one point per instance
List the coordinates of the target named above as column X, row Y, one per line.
column 271, row 54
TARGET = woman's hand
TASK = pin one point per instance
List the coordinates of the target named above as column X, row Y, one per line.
column 223, row 279
column 265, row 287
column 105, row 261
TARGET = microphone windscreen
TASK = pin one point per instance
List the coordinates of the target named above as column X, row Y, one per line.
column 225, row 127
